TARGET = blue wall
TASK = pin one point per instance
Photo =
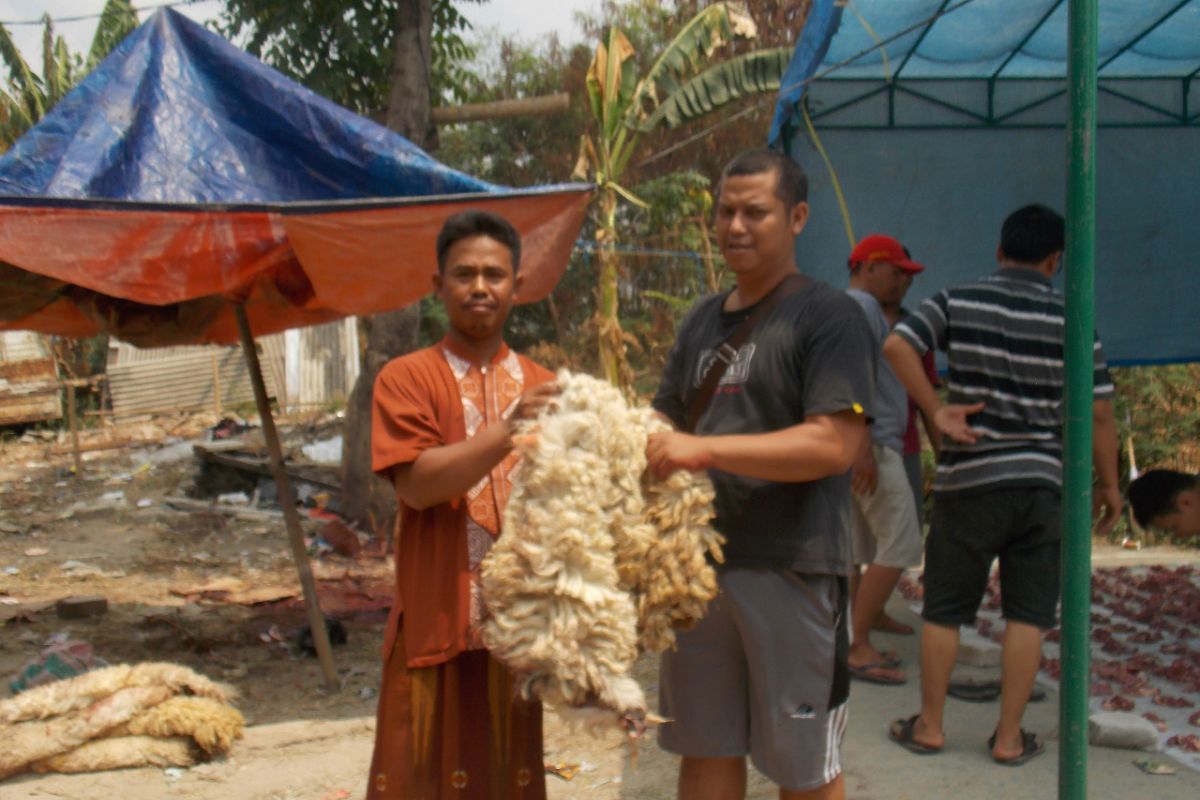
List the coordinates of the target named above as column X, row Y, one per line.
column 944, row 193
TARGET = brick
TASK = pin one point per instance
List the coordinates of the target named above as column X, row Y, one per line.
column 976, row 651
column 81, row 607
column 1123, row 730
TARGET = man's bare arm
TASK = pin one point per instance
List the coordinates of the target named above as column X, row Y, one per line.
column 950, row 420
column 821, row 446
column 1106, row 500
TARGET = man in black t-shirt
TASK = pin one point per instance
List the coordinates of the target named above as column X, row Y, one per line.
column 764, row 673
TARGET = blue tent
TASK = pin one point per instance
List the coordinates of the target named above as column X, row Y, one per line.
column 941, row 116
column 183, row 175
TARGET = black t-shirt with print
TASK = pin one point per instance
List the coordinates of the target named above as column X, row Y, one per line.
column 813, row 354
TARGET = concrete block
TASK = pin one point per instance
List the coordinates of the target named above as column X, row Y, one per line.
column 1124, row 730
column 976, row 651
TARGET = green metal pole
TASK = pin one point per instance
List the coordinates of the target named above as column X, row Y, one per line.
column 1077, row 442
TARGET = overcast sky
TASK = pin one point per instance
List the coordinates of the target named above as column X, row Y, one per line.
column 525, row 18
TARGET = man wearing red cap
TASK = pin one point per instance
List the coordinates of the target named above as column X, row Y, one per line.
column 886, row 531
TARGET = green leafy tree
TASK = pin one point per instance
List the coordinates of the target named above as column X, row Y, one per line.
column 343, row 49
column 681, row 85
column 26, row 96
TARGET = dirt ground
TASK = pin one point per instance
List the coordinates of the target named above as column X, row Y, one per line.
column 62, row 537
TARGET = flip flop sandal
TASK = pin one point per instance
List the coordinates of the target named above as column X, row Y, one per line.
column 901, row 732
column 870, row 674
column 987, row 692
column 1031, row 747
column 974, row 692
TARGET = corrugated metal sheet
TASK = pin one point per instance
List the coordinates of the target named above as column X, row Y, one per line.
column 184, row 379
column 303, row 367
column 22, row 346
column 25, row 360
column 321, row 363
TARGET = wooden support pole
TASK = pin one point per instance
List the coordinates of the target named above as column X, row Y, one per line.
column 291, row 518
column 216, row 370
column 73, row 424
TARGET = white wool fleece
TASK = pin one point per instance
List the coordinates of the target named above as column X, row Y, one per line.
column 598, row 560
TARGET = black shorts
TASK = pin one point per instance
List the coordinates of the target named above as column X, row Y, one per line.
column 1023, row 527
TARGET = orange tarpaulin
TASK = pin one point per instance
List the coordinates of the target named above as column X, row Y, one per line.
column 157, row 275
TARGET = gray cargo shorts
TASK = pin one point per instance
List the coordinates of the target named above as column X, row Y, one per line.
column 763, row 674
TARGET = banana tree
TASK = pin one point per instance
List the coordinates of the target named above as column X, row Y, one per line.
column 26, row 96
column 680, row 86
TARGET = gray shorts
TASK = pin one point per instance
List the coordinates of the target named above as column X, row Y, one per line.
column 763, row 674
column 884, row 528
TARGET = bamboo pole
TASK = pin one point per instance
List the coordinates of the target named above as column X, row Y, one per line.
column 1078, row 394
column 73, row 424
column 543, row 106
column 291, row 518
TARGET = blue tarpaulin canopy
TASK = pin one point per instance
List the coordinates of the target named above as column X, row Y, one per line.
column 183, row 175
column 941, row 116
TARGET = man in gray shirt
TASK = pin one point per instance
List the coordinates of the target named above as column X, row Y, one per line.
column 886, row 531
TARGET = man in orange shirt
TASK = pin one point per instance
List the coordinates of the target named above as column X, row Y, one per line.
column 450, row 722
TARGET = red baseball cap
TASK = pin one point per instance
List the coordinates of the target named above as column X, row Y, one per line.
column 878, row 247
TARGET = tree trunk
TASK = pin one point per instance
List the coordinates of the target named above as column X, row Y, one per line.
column 366, row 499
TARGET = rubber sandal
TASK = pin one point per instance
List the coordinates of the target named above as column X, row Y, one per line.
column 974, row 692
column 987, row 692
column 901, row 732
column 870, row 674
column 1031, row 747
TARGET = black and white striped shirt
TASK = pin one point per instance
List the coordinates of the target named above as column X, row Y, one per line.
column 1003, row 336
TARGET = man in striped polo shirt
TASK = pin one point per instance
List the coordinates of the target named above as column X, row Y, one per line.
column 998, row 484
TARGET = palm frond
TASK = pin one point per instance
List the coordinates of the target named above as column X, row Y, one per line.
column 26, row 88
column 690, row 50
column 751, row 73
column 117, row 20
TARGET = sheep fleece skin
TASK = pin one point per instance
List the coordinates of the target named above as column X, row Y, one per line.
column 598, row 560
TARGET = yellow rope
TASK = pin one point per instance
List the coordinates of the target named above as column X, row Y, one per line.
column 887, row 67
column 837, row 185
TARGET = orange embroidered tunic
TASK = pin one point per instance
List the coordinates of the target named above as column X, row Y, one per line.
column 434, row 397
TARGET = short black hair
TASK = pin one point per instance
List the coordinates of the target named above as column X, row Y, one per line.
column 1031, row 233
column 791, row 184
column 1155, row 493
column 474, row 222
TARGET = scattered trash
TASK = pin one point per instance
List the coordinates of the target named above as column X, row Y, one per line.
column 33, row 552
column 1153, row 766
column 9, row 601
column 79, row 568
column 63, row 659
column 227, row 428
column 12, row 571
column 366, row 692
column 335, row 630
column 234, row 499
column 177, row 451
column 145, row 502
column 1131, row 544
column 326, row 451
column 112, row 497
column 565, row 771
column 341, row 538
column 173, row 773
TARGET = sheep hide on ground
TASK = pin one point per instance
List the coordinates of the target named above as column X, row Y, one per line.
column 598, row 560
column 152, row 714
